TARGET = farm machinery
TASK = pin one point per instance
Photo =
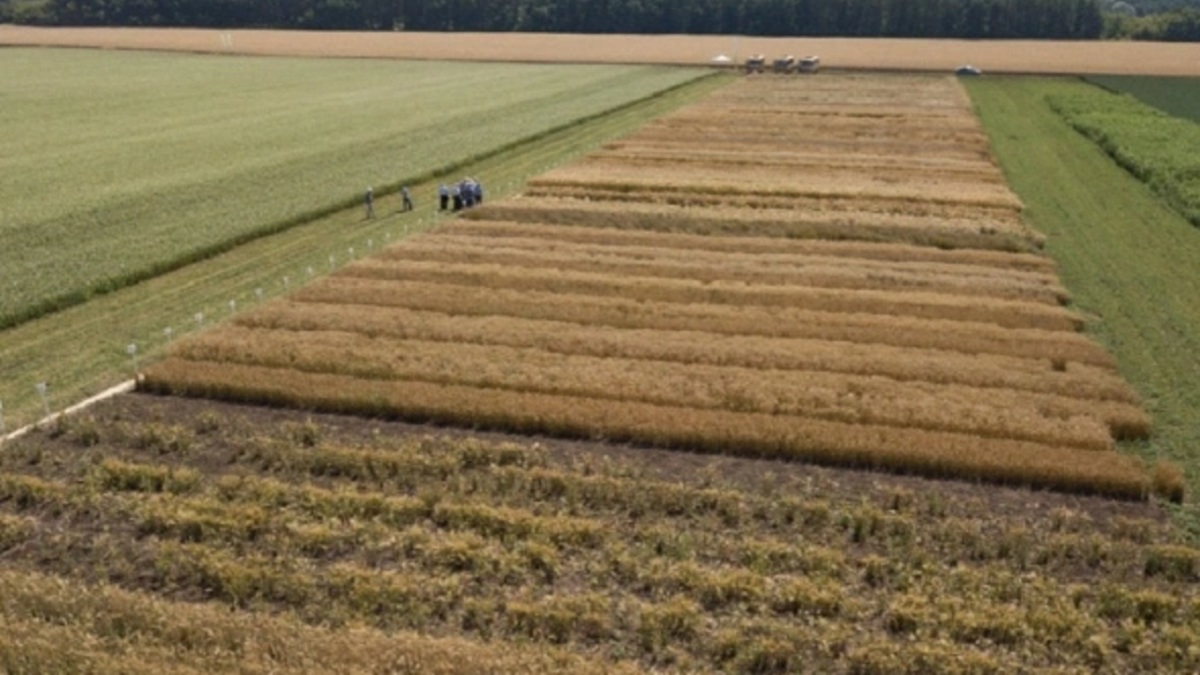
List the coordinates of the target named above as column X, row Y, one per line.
column 784, row 65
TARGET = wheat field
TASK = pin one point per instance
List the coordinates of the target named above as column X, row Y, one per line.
column 890, row 336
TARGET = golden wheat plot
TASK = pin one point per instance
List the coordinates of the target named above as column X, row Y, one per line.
column 1080, row 381
column 1017, row 264
column 1063, row 349
column 826, row 269
column 708, row 267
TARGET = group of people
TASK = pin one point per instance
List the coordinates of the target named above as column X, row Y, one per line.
column 406, row 203
column 461, row 195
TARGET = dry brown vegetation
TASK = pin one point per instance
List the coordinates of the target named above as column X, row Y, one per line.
column 153, row 535
column 889, row 355
column 1025, row 56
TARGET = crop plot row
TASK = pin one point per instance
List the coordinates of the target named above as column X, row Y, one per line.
column 334, row 540
column 950, row 360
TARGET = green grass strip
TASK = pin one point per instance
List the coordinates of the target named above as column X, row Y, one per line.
column 121, row 166
column 1159, row 149
column 1128, row 259
column 83, row 350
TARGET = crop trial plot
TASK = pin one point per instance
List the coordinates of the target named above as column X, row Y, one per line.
column 829, row 269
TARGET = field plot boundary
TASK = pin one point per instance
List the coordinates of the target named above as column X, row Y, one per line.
column 587, row 376
column 1011, row 56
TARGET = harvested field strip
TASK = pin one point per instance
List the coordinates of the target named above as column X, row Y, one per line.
column 751, row 434
column 930, row 140
column 1063, row 348
column 1038, row 267
column 902, row 303
column 628, row 245
column 816, row 118
column 784, row 161
column 727, row 197
column 929, row 148
column 56, row 624
column 929, row 226
column 809, row 271
column 995, row 413
column 1079, row 381
column 845, row 150
column 707, row 561
column 803, row 167
column 720, row 183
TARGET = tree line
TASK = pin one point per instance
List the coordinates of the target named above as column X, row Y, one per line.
column 1181, row 25
column 1060, row 19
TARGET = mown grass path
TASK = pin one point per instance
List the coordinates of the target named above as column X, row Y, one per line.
column 83, row 350
column 1127, row 258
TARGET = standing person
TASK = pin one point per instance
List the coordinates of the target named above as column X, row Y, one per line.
column 370, row 199
column 478, row 193
column 408, row 204
column 468, row 190
column 444, row 196
column 456, row 195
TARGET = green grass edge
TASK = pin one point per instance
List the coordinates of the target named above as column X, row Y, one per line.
column 80, row 350
column 1126, row 256
column 72, row 298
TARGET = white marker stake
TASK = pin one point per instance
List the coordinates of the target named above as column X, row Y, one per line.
column 331, row 262
column 350, row 251
column 168, row 333
column 131, row 350
column 370, row 244
column 199, row 319
column 258, row 293
column 287, row 283
column 41, row 390
column 232, row 306
column 310, row 270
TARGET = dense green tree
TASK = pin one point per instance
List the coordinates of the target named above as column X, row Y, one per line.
column 1070, row 19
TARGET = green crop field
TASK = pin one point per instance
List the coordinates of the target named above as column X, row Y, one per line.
column 81, row 350
column 1179, row 96
column 119, row 166
column 1127, row 258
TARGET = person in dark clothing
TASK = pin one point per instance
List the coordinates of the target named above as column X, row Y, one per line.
column 468, row 193
column 370, row 200
column 408, row 203
column 456, row 195
column 444, row 196
column 478, row 193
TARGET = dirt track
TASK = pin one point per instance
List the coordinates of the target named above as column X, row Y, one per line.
column 1017, row 56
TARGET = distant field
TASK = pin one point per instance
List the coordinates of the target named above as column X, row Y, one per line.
column 697, row 285
column 1013, row 56
column 1179, row 96
column 119, row 166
